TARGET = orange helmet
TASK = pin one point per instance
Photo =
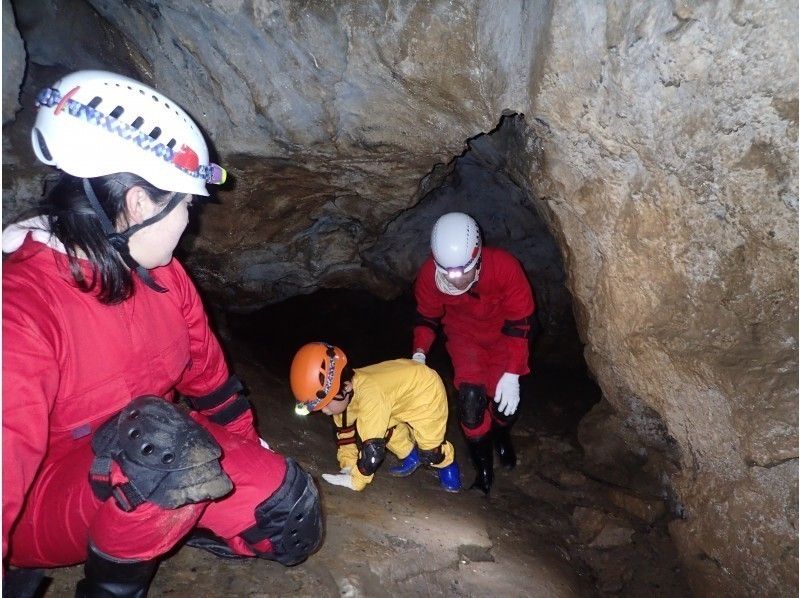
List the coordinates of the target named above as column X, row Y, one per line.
column 316, row 374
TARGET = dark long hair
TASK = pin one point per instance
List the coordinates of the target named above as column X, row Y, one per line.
column 72, row 220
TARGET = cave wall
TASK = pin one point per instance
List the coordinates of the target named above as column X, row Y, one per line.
column 668, row 171
column 670, row 177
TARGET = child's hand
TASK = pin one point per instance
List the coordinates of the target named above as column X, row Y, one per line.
column 339, row 479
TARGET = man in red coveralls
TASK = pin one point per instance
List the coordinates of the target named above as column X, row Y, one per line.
column 482, row 299
column 102, row 329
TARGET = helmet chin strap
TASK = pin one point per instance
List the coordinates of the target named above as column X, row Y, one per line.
column 120, row 240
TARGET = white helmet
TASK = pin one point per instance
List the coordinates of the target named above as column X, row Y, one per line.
column 456, row 244
column 95, row 123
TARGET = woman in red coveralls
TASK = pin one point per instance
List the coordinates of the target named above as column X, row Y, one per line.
column 102, row 329
column 482, row 299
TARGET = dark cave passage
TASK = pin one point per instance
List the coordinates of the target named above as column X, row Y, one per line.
column 556, row 394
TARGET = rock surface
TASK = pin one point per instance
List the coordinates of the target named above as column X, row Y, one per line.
column 13, row 64
column 659, row 147
column 670, row 180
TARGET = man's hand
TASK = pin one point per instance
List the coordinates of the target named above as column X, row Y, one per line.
column 419, row 356
column 507, row 394
column 339, row 479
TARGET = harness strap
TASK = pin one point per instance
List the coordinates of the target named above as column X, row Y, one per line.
column 349, row 439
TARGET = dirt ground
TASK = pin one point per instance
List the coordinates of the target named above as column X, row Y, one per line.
column 547, row 529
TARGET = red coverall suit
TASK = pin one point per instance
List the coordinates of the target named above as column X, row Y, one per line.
column 70, row 363
column 486, row 328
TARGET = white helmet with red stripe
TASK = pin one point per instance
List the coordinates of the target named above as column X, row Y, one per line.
column 96, row 123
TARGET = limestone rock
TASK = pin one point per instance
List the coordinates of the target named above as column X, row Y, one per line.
column 13, row 63
column 659, row 150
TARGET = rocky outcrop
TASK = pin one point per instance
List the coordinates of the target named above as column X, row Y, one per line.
column 658, row 147
column 670, row 180
column 13, row 64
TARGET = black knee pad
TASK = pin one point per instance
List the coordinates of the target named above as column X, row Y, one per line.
column 471, row 404
column 291, row 519
column 431, row 456
column 168, row 458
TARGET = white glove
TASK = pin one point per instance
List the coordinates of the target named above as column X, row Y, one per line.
column 507, row 394
column 419, row 356
column 346, row 469
column 338, row 479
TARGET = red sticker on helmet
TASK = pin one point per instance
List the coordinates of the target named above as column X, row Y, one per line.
column 64, row 100
column 186, row 158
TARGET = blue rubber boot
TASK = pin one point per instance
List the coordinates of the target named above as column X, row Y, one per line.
column 450, row 477
column 407, row 466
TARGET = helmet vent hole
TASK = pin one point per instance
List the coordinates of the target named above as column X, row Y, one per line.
column 171, row 144
column 155, row 133
column 135, row 433
column 155, row 98
column 117, row 112
column 42, row 145
column 141, row 91
column 322, row 378
column 147, row 449
column 167, row 458
column 95, row 102
column 138, row 122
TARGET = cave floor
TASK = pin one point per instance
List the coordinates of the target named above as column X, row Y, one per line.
column 407, row 537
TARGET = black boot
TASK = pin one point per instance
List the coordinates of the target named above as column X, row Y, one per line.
column 481, row 452
column 106, row 578
column 23, row 583
column 503, row 446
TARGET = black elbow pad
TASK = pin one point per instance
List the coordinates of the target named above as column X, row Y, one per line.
column 371, row 455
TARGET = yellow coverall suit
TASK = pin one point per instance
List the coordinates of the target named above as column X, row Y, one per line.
column 402, row 401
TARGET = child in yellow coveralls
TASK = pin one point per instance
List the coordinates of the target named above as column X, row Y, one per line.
column 399, row 405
